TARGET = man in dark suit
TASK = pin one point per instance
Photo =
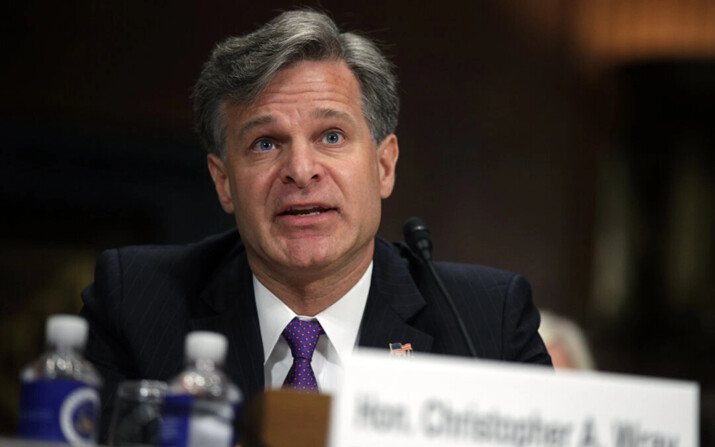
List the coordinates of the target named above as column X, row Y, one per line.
column 298, row 120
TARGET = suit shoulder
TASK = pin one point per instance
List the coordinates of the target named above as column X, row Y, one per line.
column 463, row 271
column 481, row 280
column 212, row 247
column 187, row 263
column 471, row 279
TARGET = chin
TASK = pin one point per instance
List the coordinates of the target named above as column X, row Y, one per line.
column 313, row 255
column 310, row 261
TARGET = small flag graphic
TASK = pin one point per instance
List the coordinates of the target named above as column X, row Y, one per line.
column 401, row 349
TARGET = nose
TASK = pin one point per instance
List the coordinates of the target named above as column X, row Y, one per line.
column 300, row 165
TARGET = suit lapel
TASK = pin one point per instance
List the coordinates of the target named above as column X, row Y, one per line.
column 392, row 302
column 229, row 294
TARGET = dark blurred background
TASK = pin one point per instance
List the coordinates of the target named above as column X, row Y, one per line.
column 568, row 140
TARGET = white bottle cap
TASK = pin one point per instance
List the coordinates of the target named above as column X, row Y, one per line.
column 66, row 330
column 206, row 345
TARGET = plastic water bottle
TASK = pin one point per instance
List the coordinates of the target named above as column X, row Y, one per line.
column 59, row 396
column 202, row 403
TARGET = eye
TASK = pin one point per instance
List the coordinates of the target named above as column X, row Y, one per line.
column 333, row 138
column 264, row 145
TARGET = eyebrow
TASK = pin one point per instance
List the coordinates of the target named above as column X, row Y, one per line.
column 255, row 122
column 317, row 113
column 332, row 113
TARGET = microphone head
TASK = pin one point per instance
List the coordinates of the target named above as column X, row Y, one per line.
column 418, row 237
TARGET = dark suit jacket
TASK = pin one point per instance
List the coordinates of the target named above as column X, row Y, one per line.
column 146, row 299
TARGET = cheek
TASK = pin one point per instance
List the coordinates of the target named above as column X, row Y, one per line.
column 364, row 171
column 366, row 189
column 359, row 182
column 251, row 184
column 248, row 193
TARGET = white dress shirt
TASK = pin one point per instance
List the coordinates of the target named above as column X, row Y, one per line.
column 341, row 323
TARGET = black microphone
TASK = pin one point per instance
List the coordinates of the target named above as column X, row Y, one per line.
column 419, row 240
column 418, row 237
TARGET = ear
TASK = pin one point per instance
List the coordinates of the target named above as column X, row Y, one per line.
column 387, row 154
column 219, row 174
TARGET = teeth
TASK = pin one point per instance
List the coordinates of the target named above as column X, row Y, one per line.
column 305, row 211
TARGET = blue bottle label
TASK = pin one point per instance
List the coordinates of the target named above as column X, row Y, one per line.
column 59, row 410
column 175, row 417
column 189, row 422
column 237, row 416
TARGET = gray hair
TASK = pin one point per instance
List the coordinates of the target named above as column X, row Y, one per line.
column 240, row 68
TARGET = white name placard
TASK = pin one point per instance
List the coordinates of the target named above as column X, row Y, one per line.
column 430, row 401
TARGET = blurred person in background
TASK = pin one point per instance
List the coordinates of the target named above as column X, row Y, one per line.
column 565, row 342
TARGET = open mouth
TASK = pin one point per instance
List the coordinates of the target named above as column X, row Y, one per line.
column 305, row 211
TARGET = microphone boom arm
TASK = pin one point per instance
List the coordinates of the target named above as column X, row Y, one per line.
column 419, row 240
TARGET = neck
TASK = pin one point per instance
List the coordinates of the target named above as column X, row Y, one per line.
column 310, row 293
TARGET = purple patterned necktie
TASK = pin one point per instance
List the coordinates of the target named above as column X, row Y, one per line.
column 302, row 336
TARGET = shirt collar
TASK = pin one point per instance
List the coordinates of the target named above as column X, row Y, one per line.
column 340, row 321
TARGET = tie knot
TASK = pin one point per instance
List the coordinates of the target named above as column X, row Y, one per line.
column 302, row 336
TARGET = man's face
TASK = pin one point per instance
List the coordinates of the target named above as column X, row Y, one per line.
column 302, row 174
